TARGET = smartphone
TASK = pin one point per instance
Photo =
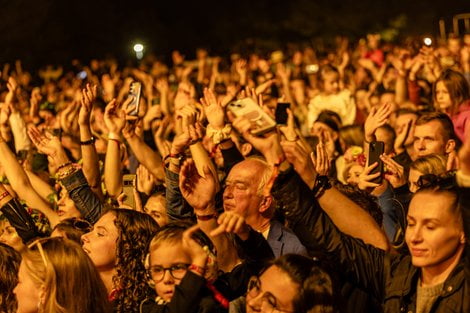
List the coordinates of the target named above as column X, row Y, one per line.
column 134, row 92
column 376, row 149
column 281, row 113
column 128, row 186
column 260, row 120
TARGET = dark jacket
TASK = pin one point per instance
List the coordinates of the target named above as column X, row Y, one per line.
column 192, row 295
column 391, row 279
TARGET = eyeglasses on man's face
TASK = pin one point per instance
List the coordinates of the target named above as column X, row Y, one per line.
column 269, row 301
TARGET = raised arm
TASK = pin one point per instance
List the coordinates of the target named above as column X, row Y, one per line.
column 21, row 184
column 91, row 167
column 347, row 215
column 115, row 120
column 199, row 191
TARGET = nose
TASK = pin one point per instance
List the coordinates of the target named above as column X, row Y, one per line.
column 60, row 201
column 416, row 235
column 84, row 238
column 255, row 303
column 167, row 277
column 228, row 192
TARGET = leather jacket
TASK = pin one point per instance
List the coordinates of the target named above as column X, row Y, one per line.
column 391, row 279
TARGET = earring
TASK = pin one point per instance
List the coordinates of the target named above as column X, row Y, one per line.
column 40, row 306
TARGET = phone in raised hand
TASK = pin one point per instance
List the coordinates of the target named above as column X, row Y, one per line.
column 134, row 92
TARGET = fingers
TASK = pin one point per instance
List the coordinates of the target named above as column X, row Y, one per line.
column 110, row 107
column 229, row 222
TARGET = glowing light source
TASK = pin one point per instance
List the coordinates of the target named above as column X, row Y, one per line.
column 138, row 47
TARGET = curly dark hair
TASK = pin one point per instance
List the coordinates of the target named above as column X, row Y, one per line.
column 135, row 229
column 9, row 264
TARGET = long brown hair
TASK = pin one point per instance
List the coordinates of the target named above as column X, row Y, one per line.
column 67, row 275
column 136, row 230
column 9, row 264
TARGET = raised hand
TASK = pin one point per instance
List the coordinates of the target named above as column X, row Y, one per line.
column 231, row 222
column 196, row 252
column 45, row 142
column 268, row 144
column 402, row 135
column 198, row 191
column 365, row 179
column 213, row 109
column 395, row 173
column 321, row 160
column 289, row 130
column 86, row 104
column 145, row 180
column 12, row 86
column 115, row 117
column 376, row 118
column 298, row 156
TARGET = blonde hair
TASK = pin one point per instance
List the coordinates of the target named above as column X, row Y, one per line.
column 67, row 276
column 430, row 164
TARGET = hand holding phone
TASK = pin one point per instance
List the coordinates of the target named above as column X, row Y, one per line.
column 134, row 92
column 248, row 108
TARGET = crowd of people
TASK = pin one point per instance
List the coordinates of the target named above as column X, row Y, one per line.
column 300, row 180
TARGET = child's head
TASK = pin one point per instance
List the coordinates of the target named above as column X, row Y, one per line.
column 450, row 90
column 168, row 262
column 328, row 77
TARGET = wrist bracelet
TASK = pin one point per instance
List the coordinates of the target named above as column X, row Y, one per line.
column 178, row 156
column 206, row 217
column 88, row 142
column 196, row 268
column 4, row 195
column 322, row 183
column 63, row 165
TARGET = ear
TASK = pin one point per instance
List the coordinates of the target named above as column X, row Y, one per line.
column 462, row 238
column 265, row 204
column 450, row 146
column 246, row 149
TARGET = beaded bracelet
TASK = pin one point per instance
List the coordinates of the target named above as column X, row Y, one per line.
column 4, row 195
column 196, row 268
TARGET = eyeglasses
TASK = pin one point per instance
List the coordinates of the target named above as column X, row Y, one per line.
column 268, row 300
column 177, row 271
column 82, row 225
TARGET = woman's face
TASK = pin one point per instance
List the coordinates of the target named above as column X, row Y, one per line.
column 27, row 292
column 353, row 175
column 100, row 243
column 444, row 102
column 166, row 255
column 274, row 292
column 9, row 236
column 156, row 208
column 66, row 207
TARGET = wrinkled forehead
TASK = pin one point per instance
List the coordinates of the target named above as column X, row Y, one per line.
column 246, row 171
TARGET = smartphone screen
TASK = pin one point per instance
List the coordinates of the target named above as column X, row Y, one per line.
column 281, row 113
column 376, row 149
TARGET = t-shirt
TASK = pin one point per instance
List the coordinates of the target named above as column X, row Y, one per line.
column 342, row 103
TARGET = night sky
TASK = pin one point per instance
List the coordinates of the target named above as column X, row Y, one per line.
column 55, row 31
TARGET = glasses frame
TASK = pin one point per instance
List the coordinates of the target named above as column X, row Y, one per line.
column 170, row 269
column 256, row 282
